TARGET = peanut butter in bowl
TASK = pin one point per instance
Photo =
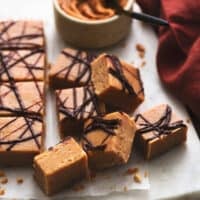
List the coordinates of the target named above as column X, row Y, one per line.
column 88, row 9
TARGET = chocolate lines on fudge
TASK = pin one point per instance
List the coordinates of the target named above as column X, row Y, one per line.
column 118, row 74
column 161, row 127
column 83, row 65
column 29, row 124
column 30, row 67
column 106, row 125
column 78, row 111
column 14, row 43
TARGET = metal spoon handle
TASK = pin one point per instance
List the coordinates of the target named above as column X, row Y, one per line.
column 146, row 18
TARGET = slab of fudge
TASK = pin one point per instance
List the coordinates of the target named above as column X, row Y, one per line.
column 117, row 83
column 21, row 138
column 22, row 65
column 21, row 35
column 71, row 69
column 60, row 166
column 74, row 106
column 108, row 140
column 159, row 130
column 17, row 98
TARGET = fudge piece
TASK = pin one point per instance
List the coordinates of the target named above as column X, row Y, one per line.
column 74, row 106
column 22, row 51
column 21, row 97
column 22, row 65
column 108, row 140
column 60, row 166
column 71, row 69
column 117, row 83
column 159, row 130
column 21, row 138
column 21, row 35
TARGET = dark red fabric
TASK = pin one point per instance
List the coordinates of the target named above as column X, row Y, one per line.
column 178, row 56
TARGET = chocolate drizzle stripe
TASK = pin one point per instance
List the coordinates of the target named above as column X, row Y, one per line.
column 106, row 125
column 118, row 74
column 161, row 127
column 20, row 140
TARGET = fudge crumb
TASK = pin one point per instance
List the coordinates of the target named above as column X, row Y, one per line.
column 146, row 174
column 2, row 192
column 20, row 180
column 2, row 174
column 125, row 189
column 143, row 63
column 131, row 171
column 188, row 121
column 78, row 188
column 141, row 50
column 137, row 178
column 4, row 180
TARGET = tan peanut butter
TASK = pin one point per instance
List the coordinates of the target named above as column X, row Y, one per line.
column 88, row 9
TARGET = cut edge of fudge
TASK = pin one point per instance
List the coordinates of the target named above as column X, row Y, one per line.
column 71, row 69
column 54, row 175
column 160, row 135
column 117, row 83
column 105, row 141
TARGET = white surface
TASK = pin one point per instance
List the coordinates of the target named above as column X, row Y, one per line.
column 173, row 174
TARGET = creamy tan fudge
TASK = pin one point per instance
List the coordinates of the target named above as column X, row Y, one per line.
column 159, row 130
column 17, row 98
column 108, row 140
column 117, row 83
column 71, row 69
column 22, row 51
column 74, row 106
column 21, row 139
column 60, row 166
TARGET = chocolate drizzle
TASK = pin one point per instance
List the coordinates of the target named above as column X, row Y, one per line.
column 118, row 74
column 81, row 61
column 78, row 110
column 160, row 127
column 9, row 57
column 106, row 125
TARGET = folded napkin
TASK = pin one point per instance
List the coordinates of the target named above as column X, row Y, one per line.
column 178, row 56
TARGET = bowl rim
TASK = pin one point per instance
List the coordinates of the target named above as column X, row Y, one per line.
column 95, row 22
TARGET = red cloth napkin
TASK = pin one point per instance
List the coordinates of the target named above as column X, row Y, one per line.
column 178, row 56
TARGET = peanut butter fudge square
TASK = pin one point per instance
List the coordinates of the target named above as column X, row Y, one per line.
column 60, row 166
column 21, row 97
column 21, row 35
column 74, row 106
column 23, row 65
column 22, row 51
column 21, row 139
column 159, row 130
column 117, row 83
column 71, row 69
column 108, row 140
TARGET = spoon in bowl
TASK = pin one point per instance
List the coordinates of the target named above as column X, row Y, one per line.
column 114, row 4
